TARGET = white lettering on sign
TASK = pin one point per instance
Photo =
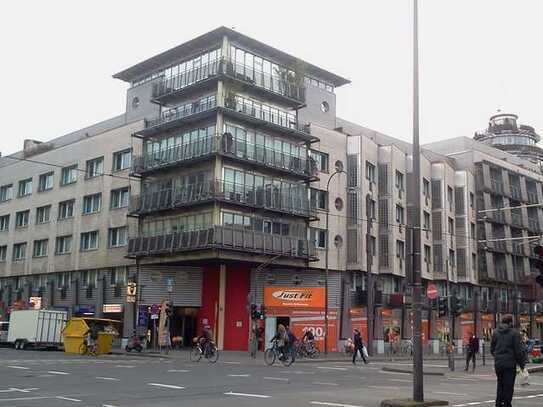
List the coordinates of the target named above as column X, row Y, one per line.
column 292, row 295
column 317, row 331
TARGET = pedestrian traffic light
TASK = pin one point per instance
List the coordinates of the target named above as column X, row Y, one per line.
column 457, row 306
column 254, row 311
column 442, row 307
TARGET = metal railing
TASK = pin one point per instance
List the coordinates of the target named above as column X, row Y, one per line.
column 516, row 192
column 516, row 219
column 222, row 237
column 294, row 202
column 187, row 78
column 228, row 145
column 532, row 197
column 497, row 186
column 533, row 224
column 183, row 111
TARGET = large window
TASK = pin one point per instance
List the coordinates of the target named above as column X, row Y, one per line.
column 319, row 199
column 119, row 276
column 319, row 237
column 400, row 217
column 63, row 280
column 119, row 198
column 370, row 172
column 19, row 251
column 22, row 219
column 122, row 160
column 92, row 203
column 320, row 159
column 6, row 192
column 3, row 253
column 45, row 182
column 4, row 223
column 68, row 175
column 400, row 249
column 25, row 187
column 40, row 248
column 89, row 278
column 181, row 223
column 66, row 209
column 117, row 237
column 63, row 244
column 264, row 225
column 400, row 180
column 89, row 241
column 43, row 214
column 94, row 167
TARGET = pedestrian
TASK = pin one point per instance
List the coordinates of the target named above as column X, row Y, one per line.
column 507, row 352
column 472, row 350
column 358, row 346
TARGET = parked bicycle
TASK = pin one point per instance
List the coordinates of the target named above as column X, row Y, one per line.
column 307, row 350
column 90, row 349
column 275, row 353
column 209, row 351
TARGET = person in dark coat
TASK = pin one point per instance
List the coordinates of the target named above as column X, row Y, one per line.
column 507, row 351
column 358, row 346
column 472, row 350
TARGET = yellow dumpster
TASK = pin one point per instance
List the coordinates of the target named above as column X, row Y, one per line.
column 77, row 328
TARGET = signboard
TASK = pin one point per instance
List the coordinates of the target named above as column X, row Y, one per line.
column 303, row 297
column 432, row 291
column 35, row 302
column 154, row 316
column 316, row 324
column 169, row 284
column 143, row 315
column 112, row 308
column 85, row 309
column 131, row 289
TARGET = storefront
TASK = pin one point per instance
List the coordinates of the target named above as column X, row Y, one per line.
column 359, row 320
column 301, row 309
column 487, row 326
column 467, row 324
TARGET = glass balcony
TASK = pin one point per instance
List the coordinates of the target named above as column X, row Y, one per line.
column 269, row 197
column 236, row 148
column 222, row 237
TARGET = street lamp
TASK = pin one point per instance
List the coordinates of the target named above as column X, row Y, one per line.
column 339, row 170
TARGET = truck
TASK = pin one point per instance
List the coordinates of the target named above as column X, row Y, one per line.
column 36, row 328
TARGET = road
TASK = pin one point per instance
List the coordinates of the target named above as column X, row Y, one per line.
column 46, row 379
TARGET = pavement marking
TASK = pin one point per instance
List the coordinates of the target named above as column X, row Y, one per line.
column 126, row 366
column 239, row 375
column 259, row 396
column 114, row 379
column 462, row 378
column 449, row 393
column 168, row 386
column 108, row 405
column 232, row 363
column 326, row 384
column 401, row 380
column 11, row 389
column 326, row 403
column 57, row 372
column 279, row 379
column 26, row 398
column 385, row 387
column 332, row 368
column 296, row 372
column 178, row 371
column 68, row 399
column 18, row 367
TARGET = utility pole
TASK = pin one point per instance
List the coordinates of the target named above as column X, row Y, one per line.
column 418, row 381
column 450, row 347
column 370, row 287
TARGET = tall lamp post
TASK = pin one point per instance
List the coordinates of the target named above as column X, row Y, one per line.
column 338, row 170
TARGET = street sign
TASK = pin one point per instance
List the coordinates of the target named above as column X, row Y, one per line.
column 131, row 289
column 154, row 316
column 432, row 291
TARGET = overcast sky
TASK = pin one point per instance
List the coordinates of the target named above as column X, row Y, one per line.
column 477, row 56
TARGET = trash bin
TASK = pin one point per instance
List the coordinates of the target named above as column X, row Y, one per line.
column 74, row 334
column 104, row 342
column 76, row 329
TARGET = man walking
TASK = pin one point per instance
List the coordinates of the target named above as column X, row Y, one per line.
column 358, row 346
column 507, row 352
column 472, row 350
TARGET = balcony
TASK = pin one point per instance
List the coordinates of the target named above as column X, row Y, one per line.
column 496, row 216
column 284, row 90
column 228, row 146
column 271, row 198
column 533, row 225
column 532, row 197
column 266, row 116
column 180, row 115
column 516, row 219
column 516, row 192
column 496, row 186
column 225, row 238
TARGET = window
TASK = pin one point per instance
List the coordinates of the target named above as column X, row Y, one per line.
column 427, row 254
column 94, row 168
column 68, row 175
column 122, row 160
column 320, row 159
column 426, row 222
column 25, row 187
column 472, row 227
column 43, row 214
column 118, row 276
column 370, row 172
column 471, row 200
column 119, row 198
column 451, row 258
column 372, row 212
column 319, row 199
column 92, row 203
column 426, row 187
column 450, row 197
column 22, row 218
column 373, row 245
column 19, row 251
column 45, row 182
column 117, row 237
column 450, row 227
column 319, row 237
column 63, row 280
column 64, row 244
column 3, row 253
column 40, row 248
column 4, row 223
column 66, row 209
column 400, row 215
column 399, row 180
column 89, row 241
column 6, row 192
column 400, row 249
column 89, row 278
column 473, row 262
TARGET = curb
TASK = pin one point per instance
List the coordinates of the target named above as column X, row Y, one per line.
column 142, row 355
column 412, row 403
column 400, row 370
column 534, row 369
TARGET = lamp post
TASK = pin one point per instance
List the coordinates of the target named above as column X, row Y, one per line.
column 337, row 171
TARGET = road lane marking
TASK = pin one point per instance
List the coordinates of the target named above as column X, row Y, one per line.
column 126, row 366
column 114, row 379
column 331, row 368
column 57, row 372
column 18, row 367
column 326, row 384
column 401, row 380
column 108, row 405
column 326, row 403
column 385, row 387
column 11, row 389
column 462, row 378
column 26, row 398
column 239, row 375
column 448, row 393
column 168, row 386
column 178, row 371
column 296, row 372
column 279, row 379
column 259, row 396
column 232, row 363
column 68, row 399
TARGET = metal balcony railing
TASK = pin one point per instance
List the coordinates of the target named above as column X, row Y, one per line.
column 533, row 224
column 497, row 186
column 222, row 237
column 500, row 245
column 516, row 192
column 516, row 219
column 228, row 145
column 183, row 111
column 532, row 197
column 270, row 197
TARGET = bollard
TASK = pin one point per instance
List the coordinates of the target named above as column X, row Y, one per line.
column 484, row 359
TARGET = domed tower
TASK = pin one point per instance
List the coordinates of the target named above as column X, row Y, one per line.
column 504, row 133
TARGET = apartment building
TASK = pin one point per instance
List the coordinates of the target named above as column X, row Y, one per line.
column 231, row 181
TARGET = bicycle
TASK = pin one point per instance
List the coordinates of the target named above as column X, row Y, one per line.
column 274, row 353
column 210, row 352
column 307, row 350
column 90, row 350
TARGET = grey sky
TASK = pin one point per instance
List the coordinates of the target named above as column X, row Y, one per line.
column 476, row 56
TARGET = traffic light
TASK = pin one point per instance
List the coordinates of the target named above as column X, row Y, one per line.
column 457, row 306
column 262, row 312
column 254, row 312
column 442, row 307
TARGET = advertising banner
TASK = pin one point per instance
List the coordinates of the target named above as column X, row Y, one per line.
column 299, row 297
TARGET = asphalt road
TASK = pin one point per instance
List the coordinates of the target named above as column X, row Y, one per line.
column 46, row 379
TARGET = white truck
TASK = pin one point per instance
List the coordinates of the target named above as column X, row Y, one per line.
column 36, row 328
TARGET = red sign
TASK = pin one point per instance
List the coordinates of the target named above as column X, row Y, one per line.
column 431, row 291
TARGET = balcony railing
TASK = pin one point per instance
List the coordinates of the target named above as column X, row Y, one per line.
column 226, row 144
column 222, row 237
column 497, row 216
column 269, row 197
column 532, row 197
column 183, row 111
column 516, row 219
column 533, row 224
column 497, row 186
column 516, row 192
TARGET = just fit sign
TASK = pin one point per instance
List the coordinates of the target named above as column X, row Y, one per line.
column 307, row 297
